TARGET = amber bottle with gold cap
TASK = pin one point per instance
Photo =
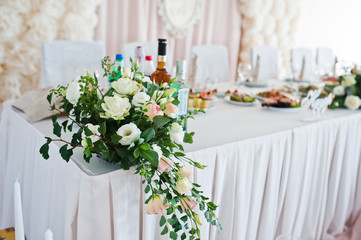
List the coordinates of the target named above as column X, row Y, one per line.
column 161, row 75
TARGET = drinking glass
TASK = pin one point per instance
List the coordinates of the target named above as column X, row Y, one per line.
column 244, row 72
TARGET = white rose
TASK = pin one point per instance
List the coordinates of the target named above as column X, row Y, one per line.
column 124, row 86
column 158, row 150
column 348, row 80
column 185, row 172
column 352, row 102
column 183, row 185
column 140, row 99
column 147, row 79
column 95, row 130
column 176, row 133
column 73, row 92
column 339, row 91
column 127, row 73
column 129, row 133
column 115, row 107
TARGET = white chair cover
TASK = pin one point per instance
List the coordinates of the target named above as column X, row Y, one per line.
column 268, row 68
column 65, row 61
column 297, row 55
column 209, row 64
column 150, row 48
column 325, row 60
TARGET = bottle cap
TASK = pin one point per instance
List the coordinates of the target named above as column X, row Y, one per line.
column 148, row 58
column 162, row 47
column 181, row 68
column 119, row 57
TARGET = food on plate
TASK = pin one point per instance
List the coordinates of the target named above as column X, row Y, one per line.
column 274, row 93
column 281, row 102
column 205, row 94
column 197, row 103
column 305, row 89
column 239, row 97
column 331, row 80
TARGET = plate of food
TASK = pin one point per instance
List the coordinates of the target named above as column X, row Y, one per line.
column 240, row 99
column 256, row 84
column 199, row 103
column 272, row 94
column 282, row 104
column 204, row 94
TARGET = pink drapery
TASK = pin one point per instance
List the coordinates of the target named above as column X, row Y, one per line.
column 138, row 20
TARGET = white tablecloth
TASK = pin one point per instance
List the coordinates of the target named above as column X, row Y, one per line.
column 270, row 173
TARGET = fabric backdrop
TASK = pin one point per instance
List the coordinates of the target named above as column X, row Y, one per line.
column 138, row 20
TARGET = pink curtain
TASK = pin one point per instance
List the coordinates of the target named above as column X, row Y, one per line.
column 138, row 20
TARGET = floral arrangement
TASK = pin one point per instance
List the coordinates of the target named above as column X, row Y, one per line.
column 348, row 92
column 135, row 123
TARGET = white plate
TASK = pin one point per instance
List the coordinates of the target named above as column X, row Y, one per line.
column 228, row 99
column 285, row 110
column 297, row 80
column 256, row 84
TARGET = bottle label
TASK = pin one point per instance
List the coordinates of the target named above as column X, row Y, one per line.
column 183, row 101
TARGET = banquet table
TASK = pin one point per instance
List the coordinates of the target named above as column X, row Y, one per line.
column 270, row 172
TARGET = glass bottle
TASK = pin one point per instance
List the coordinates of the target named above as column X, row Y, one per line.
column 161, row 75
column 139, row 54
column 182, row 93
column 148, row 66
column 118, row 65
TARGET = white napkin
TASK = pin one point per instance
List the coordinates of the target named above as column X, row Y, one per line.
column 35, row 105
column 210, row 64
column 301, row 59
column 268, row 63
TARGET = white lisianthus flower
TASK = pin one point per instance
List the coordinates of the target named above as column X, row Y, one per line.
column 185, row 172
column 348, row 81
column 129, row 133
column 140, row 99
column 158, row 150
column 124, row 86
column 127, row 72
column 73, row 92
column 147, row 79
column 339, row 91
column 156, row 205
column 183, row 185
column 176, row 133
column 352, row 102
column 95, row 137
column 115, row 107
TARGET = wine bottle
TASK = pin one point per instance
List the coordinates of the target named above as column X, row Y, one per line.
column 161, row 75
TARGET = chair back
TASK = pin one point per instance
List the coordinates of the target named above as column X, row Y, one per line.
column 297, row 56
column 268, row 62
column 209, row 64
column 325, row 60
column 65, row 61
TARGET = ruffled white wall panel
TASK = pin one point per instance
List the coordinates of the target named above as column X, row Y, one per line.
column 272, row 23
column 25, row 24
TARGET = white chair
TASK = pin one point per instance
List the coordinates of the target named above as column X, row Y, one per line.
column 150, row 48
column 297, row 56
column 268, row 62
column 64, row 61
column 325, row 60
column 209, row 64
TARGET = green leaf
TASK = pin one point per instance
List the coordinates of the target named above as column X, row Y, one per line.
column 165, row 230
column 184, row 218
column 179, row 154
column 56, row 129
column 148, row 134
column 173, row 235
column 183, row 236
column 44, row 150
column 145, row 146
column 151, row 156
column 115, row 139
column 65, row 152
column 188, row 138
column 147, row 189
column 87, row 153
column 87, row 132
column 64, row 124
column 172, row 221
column 102, row 128
column 160, row 121
column 49, row 97
column 136, row 153
column 162, row 221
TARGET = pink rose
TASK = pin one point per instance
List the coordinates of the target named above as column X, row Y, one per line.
column 187, row 204
column 155, row 205
column 171, row 110
column 165, row 164
column 153, row 110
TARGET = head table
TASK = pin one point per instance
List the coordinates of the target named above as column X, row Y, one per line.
column 270, row 173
